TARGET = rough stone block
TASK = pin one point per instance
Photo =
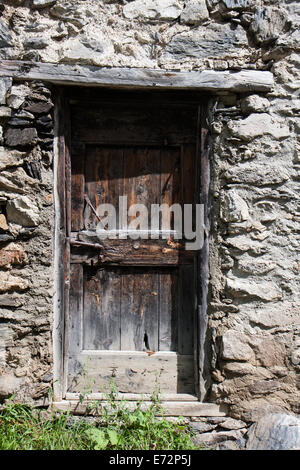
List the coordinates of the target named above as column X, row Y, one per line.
column 276, row 431
column 257, row 125
column 233, row 207
column 15, row 180
column 153, row 9
column 245, row 289
column 215, row 41
column 17, row 96
column 235, row 347
column 21, row 137
column 23, row 211
column 194, row 13
column 10, row 158
column 43, row 3
column 254, row 104
column 5, row 36
column 268, row 23
column 12, row 254
column 9, row 282
column 257, row 174
column 5, row 84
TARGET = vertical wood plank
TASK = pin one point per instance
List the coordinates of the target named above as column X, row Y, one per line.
column 142, row 177
column 168, row 310
column 77, row 192
column 139, row 310
column 75, row 308
column 101, row 329
column 170, row 180
column 186, row 309
column 103, row 180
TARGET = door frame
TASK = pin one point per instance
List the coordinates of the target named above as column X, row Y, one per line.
column 62, row 205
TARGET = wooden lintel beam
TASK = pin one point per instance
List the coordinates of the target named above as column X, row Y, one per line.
column 134, row 78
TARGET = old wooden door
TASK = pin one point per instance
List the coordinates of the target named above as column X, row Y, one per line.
column 131, row 302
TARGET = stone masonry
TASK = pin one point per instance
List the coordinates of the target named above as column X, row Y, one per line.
column 253, row 329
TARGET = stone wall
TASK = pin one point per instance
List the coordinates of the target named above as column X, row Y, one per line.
column 253, row 329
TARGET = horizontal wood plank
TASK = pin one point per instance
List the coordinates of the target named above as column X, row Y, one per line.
column 131, row 372
column 242, row 81
column 170, row 408
column 164, row 252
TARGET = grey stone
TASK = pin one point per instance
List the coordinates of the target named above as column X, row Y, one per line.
column 235, row 346
column 23, row 211
column 5, row 36
column 17, row 96
column 254, row 104
column 268, row 23
column 86, row 51
column 35, row 43
column 214, row 437
column 15, row 180
column 257, row 125
column 231, row 423
column 215, row 40
column 70, row 12
column 5, row 112
column 246, row 289
column 21, row 137
column 153, row 9
column 9, row 158
column 239, row 4
column 258, row 174
column 202, row 427
column 233, row 207
column 9, row 282
column 5, row 84
column 9, row 384
column 264, row 387
column 278, row 431
column 194, row 13
column 43, row 3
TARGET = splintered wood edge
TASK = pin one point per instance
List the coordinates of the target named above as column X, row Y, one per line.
column 170, row 408
column 134, row 78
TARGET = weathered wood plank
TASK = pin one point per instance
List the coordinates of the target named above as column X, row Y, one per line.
column 77, row 191
column 170, row 408
column 139, row 309
column 245, row 80
column 132, row 372
column 134, row 397
column 128, row 252
column 101, row 318
column 117, row 123
column 75, row 308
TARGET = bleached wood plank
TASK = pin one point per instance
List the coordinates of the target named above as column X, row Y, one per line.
column 245, row 80
column 133, row 397
column 171, row 408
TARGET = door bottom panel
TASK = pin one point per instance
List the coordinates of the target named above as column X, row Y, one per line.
column 131, row 372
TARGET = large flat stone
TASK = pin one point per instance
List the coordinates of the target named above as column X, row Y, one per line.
column 259, row 174
column 245, row 289
column 213, row 41
column 276, row 431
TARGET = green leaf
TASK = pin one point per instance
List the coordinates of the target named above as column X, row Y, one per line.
column 98, row 436
column 113, row 437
